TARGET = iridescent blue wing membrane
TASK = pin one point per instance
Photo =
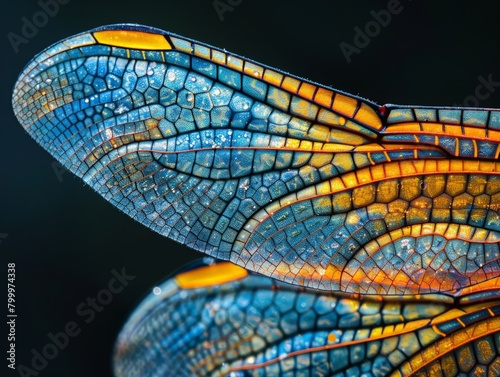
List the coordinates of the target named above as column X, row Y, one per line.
column 251, row 325
column 279, row 175
column 291, row 179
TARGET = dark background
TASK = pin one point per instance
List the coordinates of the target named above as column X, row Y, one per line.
column 65, row 239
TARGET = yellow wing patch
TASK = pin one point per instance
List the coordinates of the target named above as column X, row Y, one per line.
column 207, row 276
column 132, row 39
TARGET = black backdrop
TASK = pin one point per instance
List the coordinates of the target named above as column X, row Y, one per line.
column 65, row 239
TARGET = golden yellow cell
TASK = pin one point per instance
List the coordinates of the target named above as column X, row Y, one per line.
column 443, row 165
column 398, row 207
column 363, row 196
column 377, row 172
column 456, row 184
column 434, row 185
column 364, row 176
column 403, row 128
column 442, row 202
column 272, row 77
column 410, row 188
column 451, row 130
column 323, row 188
column 323, row 97
column 132, row 39
column 344, row 105
column 292, row 143
column 350, row 180
column 305, row 145
column 458, row 166
column 342, row 203
column 368, row 116
column 477, row 184
column 331, row 273
column 393, row 170
column 475, row 132
column 290, row 84
column 346, row 137
column 206, row 276
column 307, row 90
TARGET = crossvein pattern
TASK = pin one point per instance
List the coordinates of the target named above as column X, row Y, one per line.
column 255, row 326
column 302, row 183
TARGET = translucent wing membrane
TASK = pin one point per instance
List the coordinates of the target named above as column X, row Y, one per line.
column 257, row 326
column 276, row 174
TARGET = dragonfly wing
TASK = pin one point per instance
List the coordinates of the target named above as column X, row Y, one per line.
column 221, row 320
column 279, row 175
